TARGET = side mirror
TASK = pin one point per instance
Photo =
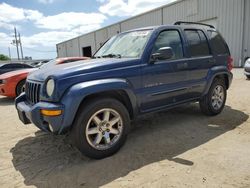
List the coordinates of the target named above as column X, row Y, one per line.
column 163, row 53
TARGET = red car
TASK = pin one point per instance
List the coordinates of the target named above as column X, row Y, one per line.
column 12, row 83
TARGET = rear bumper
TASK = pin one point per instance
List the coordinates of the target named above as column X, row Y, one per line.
column 230, row 79
column 32, row 114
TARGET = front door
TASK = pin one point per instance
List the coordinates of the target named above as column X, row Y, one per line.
column 164, row 81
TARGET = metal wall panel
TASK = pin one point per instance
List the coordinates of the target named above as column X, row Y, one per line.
column 246, row 35
column 61, row 50
column 227, row 13
column 101, row 37
column 150, row 19
column 113, row 30
column 72, row 48
column 87, row 40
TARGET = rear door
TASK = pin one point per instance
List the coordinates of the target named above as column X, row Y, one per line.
column 164, row 81
column 199, row 62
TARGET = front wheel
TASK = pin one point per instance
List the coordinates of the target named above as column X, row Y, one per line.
column 214, row 102
column 248, row 76
column 101, row 128
column 20, row 87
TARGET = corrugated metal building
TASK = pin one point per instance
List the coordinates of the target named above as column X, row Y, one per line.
column 230, row 17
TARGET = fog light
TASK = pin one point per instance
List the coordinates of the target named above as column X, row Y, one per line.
column 51, row 112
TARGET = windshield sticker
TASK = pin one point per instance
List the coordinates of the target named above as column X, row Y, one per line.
column 140, row 33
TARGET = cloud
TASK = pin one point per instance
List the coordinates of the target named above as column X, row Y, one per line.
column 65, row 21
column 46, row 1
column 33, row 15
column 57, row 28
column 9, row 13
column 10, row 16
column 46, row 39
column 5, row 40
column 129, row 7
column 6, row 26
column 70, row 20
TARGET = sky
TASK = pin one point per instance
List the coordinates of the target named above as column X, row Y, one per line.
column 44, row 23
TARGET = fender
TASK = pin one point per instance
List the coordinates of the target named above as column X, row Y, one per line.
column 216, row 71
column 78, row 92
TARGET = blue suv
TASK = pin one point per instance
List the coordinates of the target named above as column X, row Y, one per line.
column 136, row 72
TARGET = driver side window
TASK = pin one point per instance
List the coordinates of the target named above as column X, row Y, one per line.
column 170, row 38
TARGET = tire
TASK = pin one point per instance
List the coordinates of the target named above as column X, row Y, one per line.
column 85, row 122
column 248, row 76
column 208, row 103
column 20, row 87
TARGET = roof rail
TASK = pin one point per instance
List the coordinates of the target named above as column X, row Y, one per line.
column 194, row 23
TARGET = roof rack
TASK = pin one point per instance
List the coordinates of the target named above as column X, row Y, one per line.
column 194, row 23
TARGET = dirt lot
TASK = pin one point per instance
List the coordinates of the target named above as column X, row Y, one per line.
column 176, row 148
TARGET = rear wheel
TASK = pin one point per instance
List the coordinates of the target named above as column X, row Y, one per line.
column 214, row 102
column 248, row 76
column 101, row 128
column 20, row 87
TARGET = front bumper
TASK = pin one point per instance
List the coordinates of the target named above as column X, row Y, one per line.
column 32, row 114
column 247, row 72
column 7, row 90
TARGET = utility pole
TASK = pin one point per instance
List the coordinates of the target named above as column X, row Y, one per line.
column 9, row 52
column 16, row 43
column 21, row 48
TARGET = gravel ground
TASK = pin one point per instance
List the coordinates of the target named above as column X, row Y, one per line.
column 177, row 148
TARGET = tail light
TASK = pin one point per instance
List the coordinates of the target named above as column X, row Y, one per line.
column 230, row 63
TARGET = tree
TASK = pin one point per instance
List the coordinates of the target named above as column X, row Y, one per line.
column 4, row 57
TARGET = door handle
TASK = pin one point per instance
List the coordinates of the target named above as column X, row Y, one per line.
column 211, row 61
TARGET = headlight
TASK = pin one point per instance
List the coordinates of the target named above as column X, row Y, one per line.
column 50, row 86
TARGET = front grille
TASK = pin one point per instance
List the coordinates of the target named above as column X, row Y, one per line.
column 32, row 91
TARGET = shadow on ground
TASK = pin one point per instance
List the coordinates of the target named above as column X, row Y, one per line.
column 46, row 160
column 5, row 101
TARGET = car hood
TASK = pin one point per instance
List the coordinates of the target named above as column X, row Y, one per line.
column 16, row 73
column 63, row 71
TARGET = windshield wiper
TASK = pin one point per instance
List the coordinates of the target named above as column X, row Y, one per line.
column 112, row 55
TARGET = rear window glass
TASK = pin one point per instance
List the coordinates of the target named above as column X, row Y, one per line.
column 198, row 45
column 217, row 43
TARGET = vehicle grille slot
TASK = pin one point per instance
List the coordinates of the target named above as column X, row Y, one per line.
column 32, row 91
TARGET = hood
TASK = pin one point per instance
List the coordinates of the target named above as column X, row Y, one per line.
column 63, row 71
column 16, row 73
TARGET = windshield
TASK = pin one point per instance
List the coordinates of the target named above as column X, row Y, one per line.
column 129, row 45
column 49, row 64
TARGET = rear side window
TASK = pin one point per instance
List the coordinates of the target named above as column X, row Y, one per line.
column 198, row 45
column 8, row 66
column 26, row 66
column 169, row 38
column 217, row 43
